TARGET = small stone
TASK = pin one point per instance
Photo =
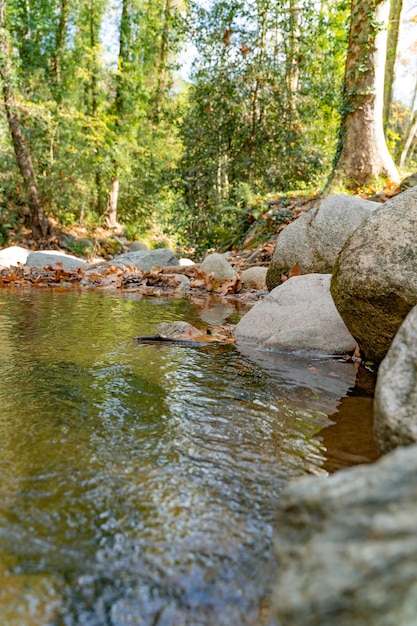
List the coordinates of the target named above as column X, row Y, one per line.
column 136, row 246
column 254, row 277
column 217, row 265
column 184, row 262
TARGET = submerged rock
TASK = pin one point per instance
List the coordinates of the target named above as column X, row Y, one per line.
column 297, row 315
column 347, row 546
column 374, row 283
column 315, row 239
column 395, row 416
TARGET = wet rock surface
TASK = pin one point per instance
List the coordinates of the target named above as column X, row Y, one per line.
column 347, row 546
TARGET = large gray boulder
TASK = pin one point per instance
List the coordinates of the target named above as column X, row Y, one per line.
column 52, row 257
column 395, row 415
column 374, row 282
column 315, row 239
column 145, row 259
column 217, row 265
column 12, row 256
column 297, row 315
column 347, row 546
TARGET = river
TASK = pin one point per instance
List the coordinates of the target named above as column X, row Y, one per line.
column 138, row 482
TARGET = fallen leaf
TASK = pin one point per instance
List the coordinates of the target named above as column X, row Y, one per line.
column 294, row 271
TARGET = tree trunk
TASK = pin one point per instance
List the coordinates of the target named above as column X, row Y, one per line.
column 410, row 131
column 256, row 112
column 163, row 74
column 407, row 150
column 362, row 153
column 392, row 44
column 40, row 226
column 119, row 110
column 111, row 212
column 292, row 54
column 61, row 31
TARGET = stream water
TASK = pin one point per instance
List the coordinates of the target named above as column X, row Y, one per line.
column 138, row 482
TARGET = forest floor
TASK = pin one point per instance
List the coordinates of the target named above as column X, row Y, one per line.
column 253, row 245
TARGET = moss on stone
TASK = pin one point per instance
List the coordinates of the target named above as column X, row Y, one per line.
column 273, row 275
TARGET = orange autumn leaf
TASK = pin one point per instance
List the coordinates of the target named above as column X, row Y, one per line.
column 229, row 286
column 294, row 271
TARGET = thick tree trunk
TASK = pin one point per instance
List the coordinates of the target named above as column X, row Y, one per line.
column 392, row 44
column 40, row 226
column 362, row 151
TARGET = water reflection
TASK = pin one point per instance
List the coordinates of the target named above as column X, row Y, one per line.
column 139, row 482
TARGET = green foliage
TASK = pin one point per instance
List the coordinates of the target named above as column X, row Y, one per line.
column 79, row 247
column 194, row 164
column 9, row 218
column 263, row 105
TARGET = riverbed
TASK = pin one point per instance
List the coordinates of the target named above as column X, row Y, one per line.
column 139, row 482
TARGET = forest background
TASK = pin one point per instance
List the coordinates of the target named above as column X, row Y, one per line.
column 101, row 126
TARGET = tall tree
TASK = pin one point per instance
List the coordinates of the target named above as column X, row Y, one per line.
column 263, row 102
column 63, row 12
column 119, row 106
column 38, row 222
column 362, row 154
column 394, row 21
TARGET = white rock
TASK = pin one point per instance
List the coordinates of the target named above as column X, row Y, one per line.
column 11, row 256
column 217, row 265
column 347, row 546
column 298, row 315
column 254, row 277
column 184, row 262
